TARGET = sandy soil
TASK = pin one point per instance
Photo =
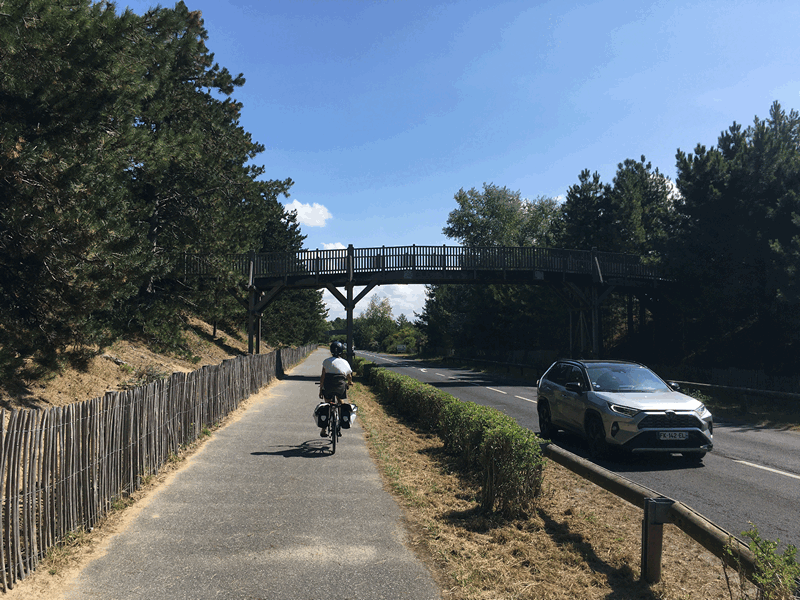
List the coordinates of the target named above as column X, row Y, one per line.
column 117, row 366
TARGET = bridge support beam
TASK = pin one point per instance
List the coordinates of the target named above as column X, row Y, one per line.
column 349, row 302
column 583, row 301
column 258, row 302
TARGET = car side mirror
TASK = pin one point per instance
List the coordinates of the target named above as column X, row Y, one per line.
column 675, row 386
column 576, row 388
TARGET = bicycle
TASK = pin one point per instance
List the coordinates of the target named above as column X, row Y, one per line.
column 334, row 423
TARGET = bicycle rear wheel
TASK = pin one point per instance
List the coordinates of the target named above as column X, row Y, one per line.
column 333, row 424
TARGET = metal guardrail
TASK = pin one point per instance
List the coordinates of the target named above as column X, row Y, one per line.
column 658, row 510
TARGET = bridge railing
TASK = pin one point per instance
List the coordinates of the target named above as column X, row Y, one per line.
column 425, row 258
column 614, row 264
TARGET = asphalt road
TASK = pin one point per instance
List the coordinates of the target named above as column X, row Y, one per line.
column 263, row 511
column 752, row 476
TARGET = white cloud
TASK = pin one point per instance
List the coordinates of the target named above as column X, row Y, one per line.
column 404, row 300
column 334, row 246
column 313, row 215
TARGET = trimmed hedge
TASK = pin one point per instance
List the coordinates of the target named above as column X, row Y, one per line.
column 483, row 439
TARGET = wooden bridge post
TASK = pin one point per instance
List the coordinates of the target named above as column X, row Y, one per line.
column 350, row 303
column 251, row 305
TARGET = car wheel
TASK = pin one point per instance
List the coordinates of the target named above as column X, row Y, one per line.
column 546, row 429
column 693, row 457
column 596, row 436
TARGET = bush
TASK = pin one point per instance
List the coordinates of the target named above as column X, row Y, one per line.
column 484, row 440
column 462, row 427
column 513, row 468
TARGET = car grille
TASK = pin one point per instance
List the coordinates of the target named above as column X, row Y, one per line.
column 671, row 421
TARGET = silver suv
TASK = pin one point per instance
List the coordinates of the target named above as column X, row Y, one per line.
column 624, row 405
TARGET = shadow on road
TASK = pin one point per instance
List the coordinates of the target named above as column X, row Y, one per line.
column 309, row 449
column 285, row 377
column 621, row 462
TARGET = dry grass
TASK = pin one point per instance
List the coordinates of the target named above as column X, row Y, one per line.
column 582, row 542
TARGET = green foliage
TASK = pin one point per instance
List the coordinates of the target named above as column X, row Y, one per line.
column 776, row 575
column 374, row 324
column 120, row 150
column 376, row 329
column 737, row 245
column 492, row 320
column 68, row 94
column 483, row 439
column 583, row 223
column 295, row 318
column 463, row 426
column 499, row 217
column 633, row 215
column 513, row 468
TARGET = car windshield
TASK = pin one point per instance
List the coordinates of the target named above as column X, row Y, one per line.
column 624, row 378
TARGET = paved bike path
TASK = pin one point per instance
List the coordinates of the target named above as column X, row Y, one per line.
column 261, row 512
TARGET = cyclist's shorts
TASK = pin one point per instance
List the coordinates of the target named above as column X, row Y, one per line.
column 335, row 386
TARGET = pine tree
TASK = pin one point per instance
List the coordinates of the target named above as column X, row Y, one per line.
column 68, row 92
column 585, row 221
column 738, row 243
column 191, row 176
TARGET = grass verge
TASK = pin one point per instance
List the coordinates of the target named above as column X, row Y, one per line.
column 580, row 542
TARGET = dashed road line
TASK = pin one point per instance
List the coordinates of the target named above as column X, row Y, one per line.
column 526, row 399
column 495, row 390
column 771, row 470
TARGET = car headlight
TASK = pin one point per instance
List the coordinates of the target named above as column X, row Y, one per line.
column 623, row 410
column 700, row 410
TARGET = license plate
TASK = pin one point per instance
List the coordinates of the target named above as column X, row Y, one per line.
column 673, row 435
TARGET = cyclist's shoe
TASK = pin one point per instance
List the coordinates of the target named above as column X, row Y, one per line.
column 323, row 433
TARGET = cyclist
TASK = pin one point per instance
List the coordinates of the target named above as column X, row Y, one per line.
column 336, row 376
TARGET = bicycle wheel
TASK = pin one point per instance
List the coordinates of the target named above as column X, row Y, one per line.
column 333, row 424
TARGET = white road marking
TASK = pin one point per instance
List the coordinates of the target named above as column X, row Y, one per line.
column 526, row 399
column 441, row 375
column 771, row 470
column 494, row 390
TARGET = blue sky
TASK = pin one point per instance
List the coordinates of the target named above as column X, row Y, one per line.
column 380, row 111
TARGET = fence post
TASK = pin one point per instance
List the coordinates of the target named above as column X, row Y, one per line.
column 656, row 513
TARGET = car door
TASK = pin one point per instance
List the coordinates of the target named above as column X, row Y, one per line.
column 573, row 403
column 551, row 389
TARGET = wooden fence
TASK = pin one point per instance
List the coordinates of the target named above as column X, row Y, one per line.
column 61, row 468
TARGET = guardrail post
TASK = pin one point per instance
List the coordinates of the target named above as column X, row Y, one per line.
column 656, row 513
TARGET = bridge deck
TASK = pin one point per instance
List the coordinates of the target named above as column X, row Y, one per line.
column 427, row 264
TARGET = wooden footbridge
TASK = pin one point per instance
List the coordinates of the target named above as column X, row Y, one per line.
column 583, row 279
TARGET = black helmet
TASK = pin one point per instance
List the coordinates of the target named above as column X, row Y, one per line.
column 337, row 349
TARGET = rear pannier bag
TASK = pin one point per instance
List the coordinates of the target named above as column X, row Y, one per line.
column 348, row 413
column 321, row 414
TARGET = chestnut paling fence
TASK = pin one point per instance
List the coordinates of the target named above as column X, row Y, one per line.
column 62, row 468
